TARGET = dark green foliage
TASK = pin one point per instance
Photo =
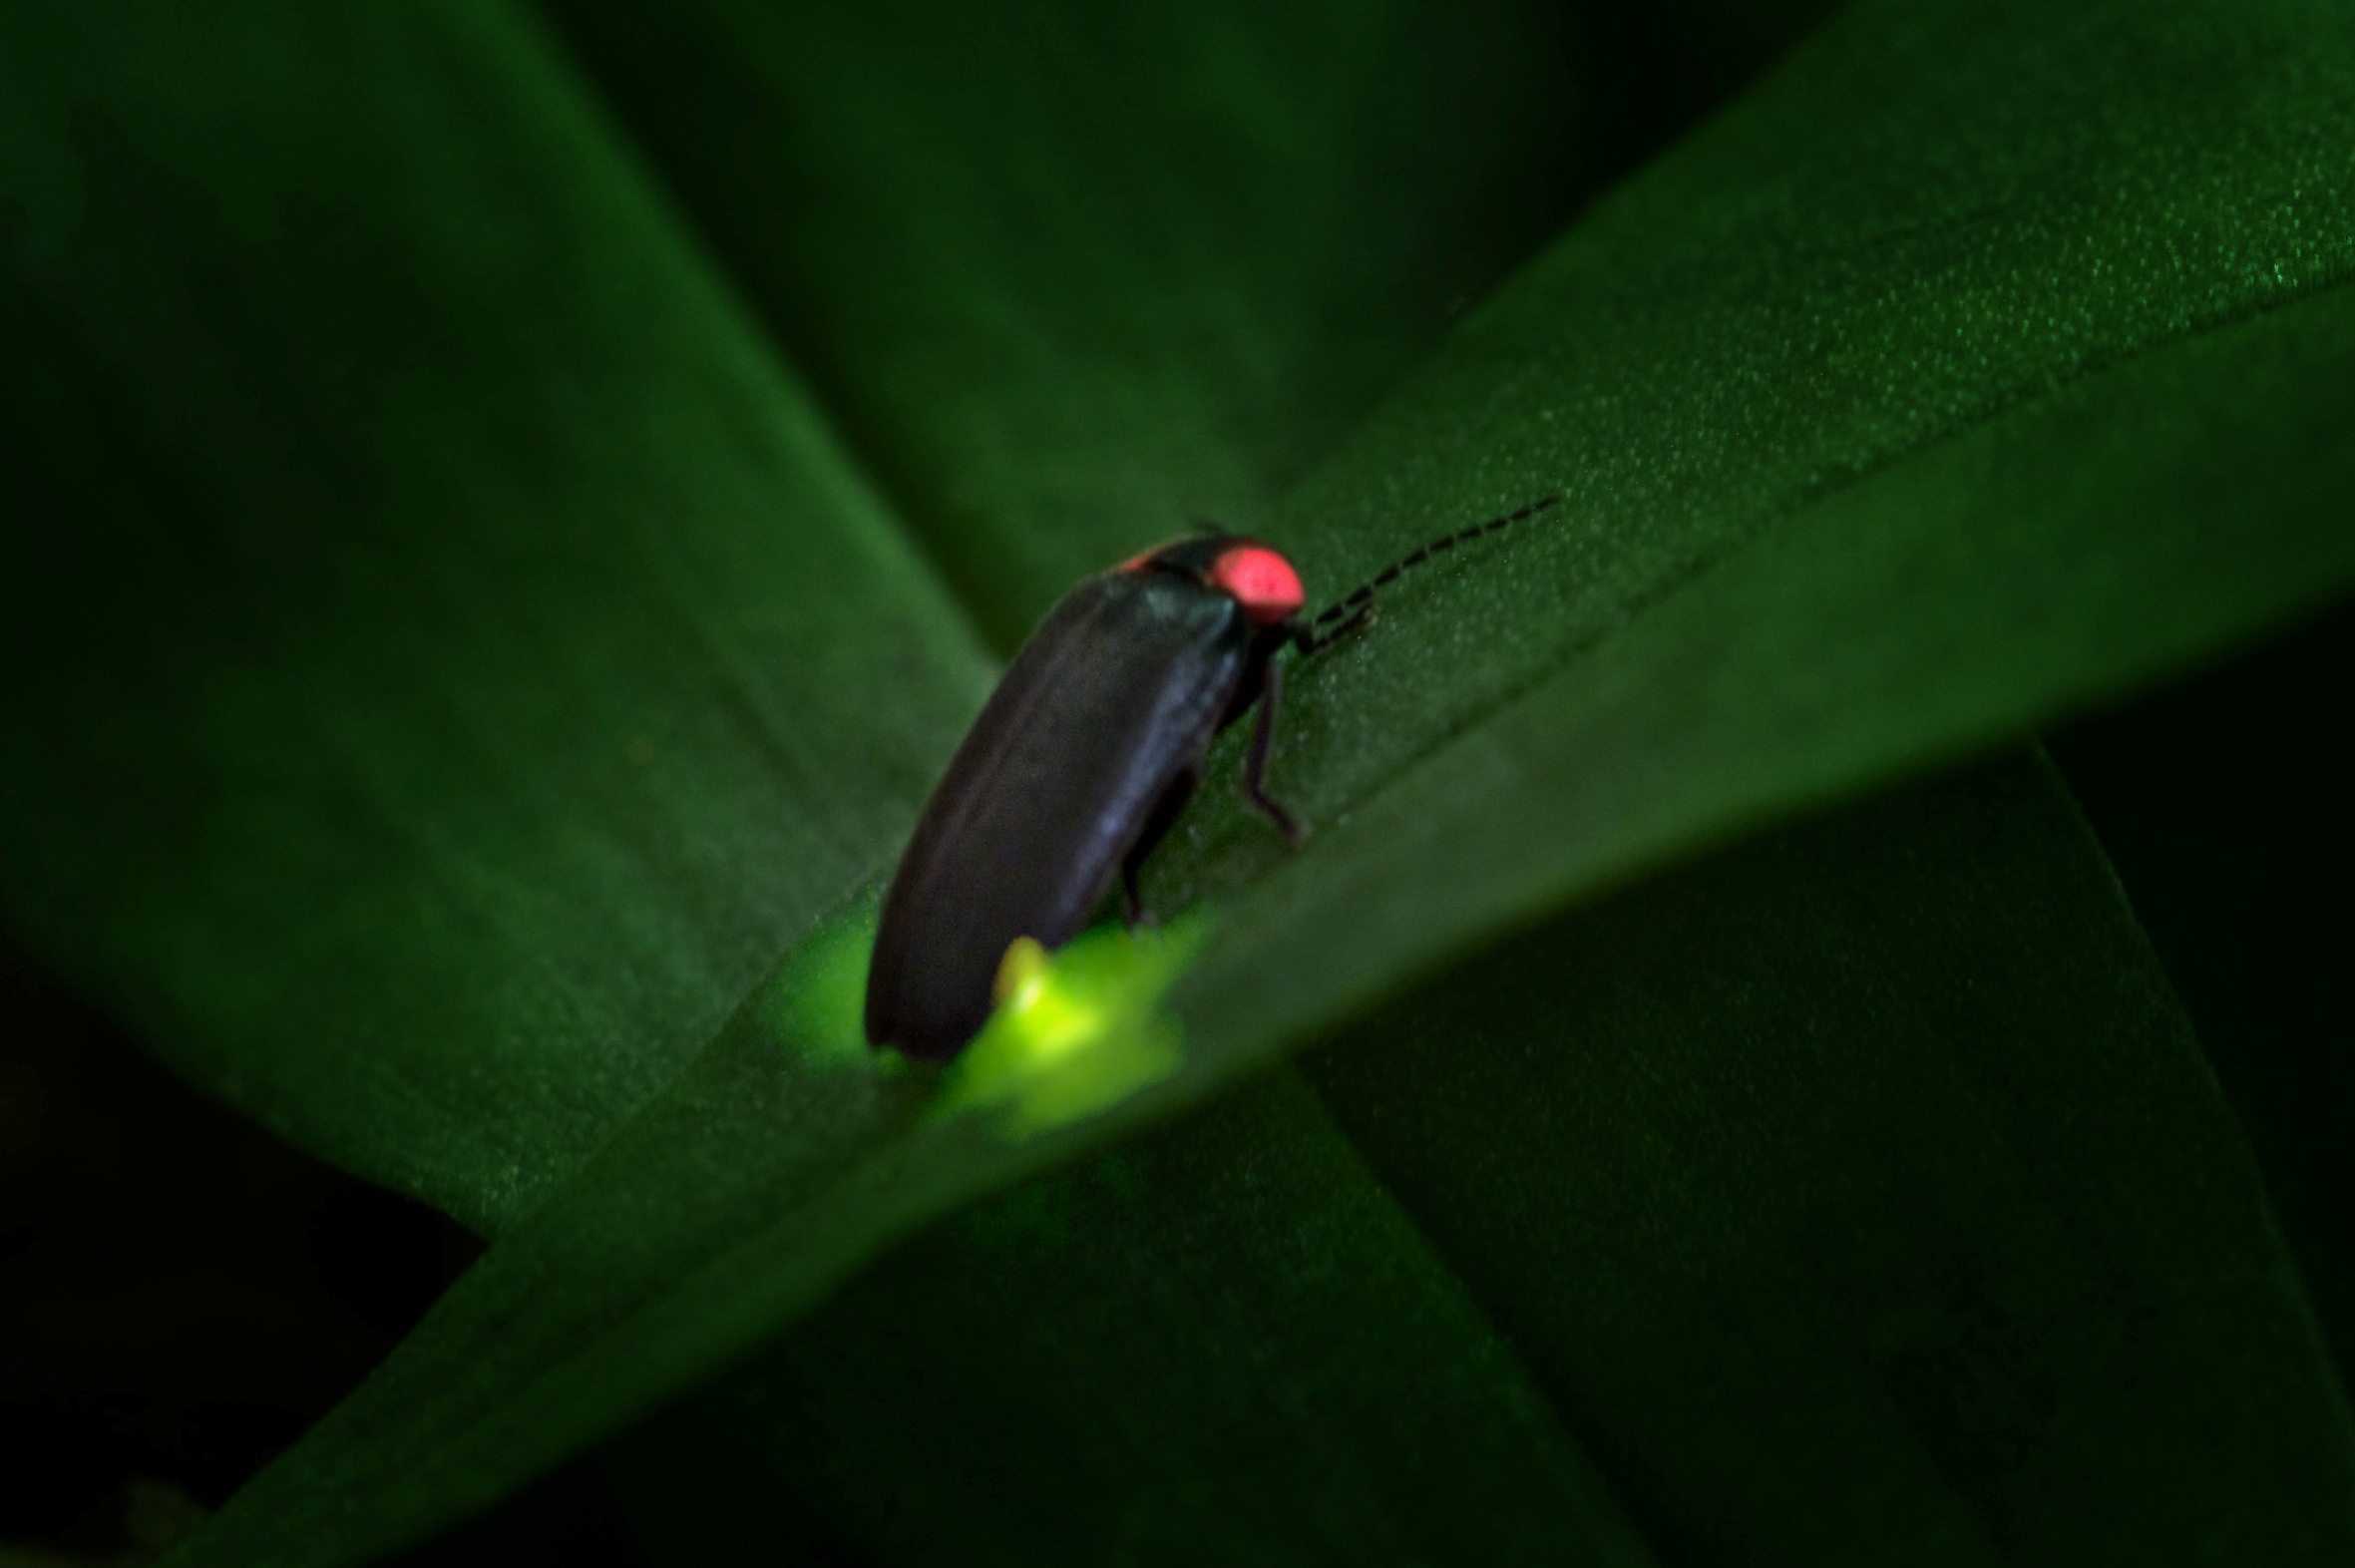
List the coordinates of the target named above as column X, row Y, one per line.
column 440, row 667
column 2238, row 866
column 511, row 512
column 1855, row 1171
column 1179, row 251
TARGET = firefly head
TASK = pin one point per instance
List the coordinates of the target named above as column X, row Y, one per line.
column 1255, row 575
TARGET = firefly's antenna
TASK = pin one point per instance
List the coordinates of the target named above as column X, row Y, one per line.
column 1350, row 613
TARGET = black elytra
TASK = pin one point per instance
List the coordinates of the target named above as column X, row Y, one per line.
column 1083, row 758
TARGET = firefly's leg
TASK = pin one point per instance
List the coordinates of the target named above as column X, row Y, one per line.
column 1255, row 764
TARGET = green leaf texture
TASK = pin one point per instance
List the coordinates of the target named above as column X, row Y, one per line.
column 443, row 670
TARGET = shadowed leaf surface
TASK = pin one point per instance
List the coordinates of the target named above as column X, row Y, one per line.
column 1861, row 1195
column 440, row 667
column 2238, row 866
column 1078, row 275
column 1222, row 1340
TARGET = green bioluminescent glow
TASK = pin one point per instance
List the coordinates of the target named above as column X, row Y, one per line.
column 1076, row 1031
column 815, row 996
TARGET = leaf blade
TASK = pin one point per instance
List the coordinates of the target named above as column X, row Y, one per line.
column 1873, row 1201
column 1975, row 590
column 745, row 1285
column 412, row 702
column 1078, row 275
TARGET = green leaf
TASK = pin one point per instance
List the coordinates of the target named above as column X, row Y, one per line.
column 2223, row 803
column 2115, row 528
column 440, row 670
column 1221, row 1341
column 1857, row 1194
column 1076, row 275
column 1861, row 1195
column 1830, row 586
column 1957, row 376
column 1927, row 216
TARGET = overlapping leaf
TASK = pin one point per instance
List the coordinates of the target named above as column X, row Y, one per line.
column 1799, row 1179
column 1076, row 274
column 440, row 645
